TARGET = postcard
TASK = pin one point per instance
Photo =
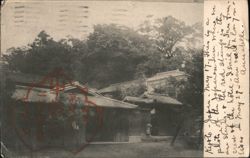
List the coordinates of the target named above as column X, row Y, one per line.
column 124, row 78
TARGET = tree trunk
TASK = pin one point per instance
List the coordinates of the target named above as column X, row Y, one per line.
column 178, row 129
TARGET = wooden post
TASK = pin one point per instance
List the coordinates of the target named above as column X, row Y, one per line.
column 179, row 127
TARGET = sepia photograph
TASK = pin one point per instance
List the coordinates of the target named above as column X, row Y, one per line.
column 101, row 78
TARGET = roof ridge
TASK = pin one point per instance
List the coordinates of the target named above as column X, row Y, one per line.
column 125, row 82
column 115, row 100
column 166, row 72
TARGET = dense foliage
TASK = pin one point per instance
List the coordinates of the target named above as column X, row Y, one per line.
column 113, row 54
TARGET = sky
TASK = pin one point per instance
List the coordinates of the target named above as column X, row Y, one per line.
column 21, row 21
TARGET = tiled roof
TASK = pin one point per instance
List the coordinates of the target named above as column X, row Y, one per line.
column 167, row 74
column 153, row 99
column 158, row 76
column 138, row 100
column 162, row 99
column 116, row 86
column 46, row 95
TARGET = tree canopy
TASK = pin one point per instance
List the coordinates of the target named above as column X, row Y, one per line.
column 166, row 32
column 110, row 54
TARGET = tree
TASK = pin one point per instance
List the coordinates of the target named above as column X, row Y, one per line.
column 110, row 54
column 192, row 93
column 166, row 32
column 6, row 90
column 155, row 63
column 41, row 56
column 16, row 58
column 113, row 55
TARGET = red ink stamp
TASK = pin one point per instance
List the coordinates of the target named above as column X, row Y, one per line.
column 56, row 112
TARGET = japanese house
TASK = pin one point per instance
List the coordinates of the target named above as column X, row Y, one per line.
column 165, row 112
column 71, row 115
